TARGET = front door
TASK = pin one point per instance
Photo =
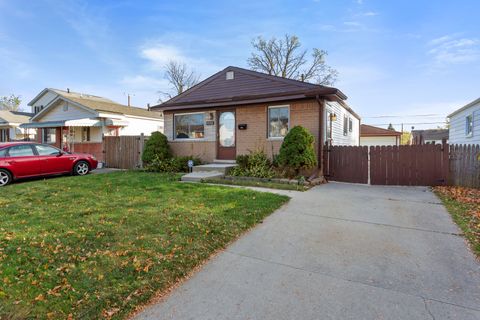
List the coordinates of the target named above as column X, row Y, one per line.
column 226, row 149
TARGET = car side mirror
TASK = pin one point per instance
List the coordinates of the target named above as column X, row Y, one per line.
column 60, row 153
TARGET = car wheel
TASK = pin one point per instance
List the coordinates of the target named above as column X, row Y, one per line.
column 5, row 177
column 81, row 168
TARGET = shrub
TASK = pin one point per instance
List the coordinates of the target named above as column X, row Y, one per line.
column 297, row 151
column 175, row 164
column 156, row 147
column 256, row 164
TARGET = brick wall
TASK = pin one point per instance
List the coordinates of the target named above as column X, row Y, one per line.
column 205, row 150
column 303, row 112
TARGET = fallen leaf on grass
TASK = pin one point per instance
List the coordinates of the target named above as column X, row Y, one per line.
column 40, row 297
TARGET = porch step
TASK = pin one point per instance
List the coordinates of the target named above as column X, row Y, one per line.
column 224, row 161
column 222, row 168
column 198, row 176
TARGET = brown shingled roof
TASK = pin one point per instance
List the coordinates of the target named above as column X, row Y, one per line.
column 247, row 86
column 371, row 131
column 106, row 105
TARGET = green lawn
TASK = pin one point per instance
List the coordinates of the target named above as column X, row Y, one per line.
column 98, row 246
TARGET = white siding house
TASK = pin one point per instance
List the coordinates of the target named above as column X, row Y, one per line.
column 78, row 122
column 465, row 124
column 343, row 123
column 10, row 122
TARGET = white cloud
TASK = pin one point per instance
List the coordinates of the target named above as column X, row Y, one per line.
column 369, row 14
column 160, row 54
column 451, row 49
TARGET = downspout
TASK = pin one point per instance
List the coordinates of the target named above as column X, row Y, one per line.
column 321, row 105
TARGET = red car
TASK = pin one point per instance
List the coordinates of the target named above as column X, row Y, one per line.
column 27, row 159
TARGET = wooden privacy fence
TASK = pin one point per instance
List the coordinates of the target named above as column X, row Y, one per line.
column 417, row 165
column 124, row 152
column 465, row 165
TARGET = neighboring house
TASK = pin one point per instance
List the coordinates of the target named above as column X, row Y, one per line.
column 236, row 111
column 375, row 136
column 10, row 122
column 465, row 124
column 78, row 122
column 429, row 136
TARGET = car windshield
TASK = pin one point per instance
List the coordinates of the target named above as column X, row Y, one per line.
column 3, row 152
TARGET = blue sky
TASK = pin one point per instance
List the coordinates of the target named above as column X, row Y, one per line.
column 402, row 58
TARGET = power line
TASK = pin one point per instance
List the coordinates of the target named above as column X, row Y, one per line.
column 407, row 123
column 405, row 116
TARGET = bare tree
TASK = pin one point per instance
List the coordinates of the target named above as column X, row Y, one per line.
column 180, row 77
column 285, row 58
column 11, row 103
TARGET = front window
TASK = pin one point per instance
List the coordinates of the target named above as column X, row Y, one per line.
column 85, row 134
column 345, row 126
column 469, row 125
column 189, row 126
column 3, row 153
column 47, row 150
column 4, row 135
column 278, row 121
column 49, row 135
column 23, row 150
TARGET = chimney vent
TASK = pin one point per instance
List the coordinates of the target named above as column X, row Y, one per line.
column 230, row 75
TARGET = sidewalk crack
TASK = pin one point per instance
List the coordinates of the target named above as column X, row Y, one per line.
column 427, row 309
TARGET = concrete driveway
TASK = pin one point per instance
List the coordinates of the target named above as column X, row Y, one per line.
column 339, row 251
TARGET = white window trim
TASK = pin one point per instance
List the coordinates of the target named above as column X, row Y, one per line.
column 469, row 135
column 345, row 125
column 189, row 139
column 268, row 120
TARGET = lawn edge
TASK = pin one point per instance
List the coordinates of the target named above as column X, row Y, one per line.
column 455, row 217
column 161, row 296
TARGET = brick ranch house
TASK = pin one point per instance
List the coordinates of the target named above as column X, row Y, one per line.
column 236, row 111
column 77, row 122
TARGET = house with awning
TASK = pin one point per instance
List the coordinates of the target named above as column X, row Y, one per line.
column 77, row 122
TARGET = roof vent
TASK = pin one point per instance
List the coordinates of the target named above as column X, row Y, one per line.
column 230, row 75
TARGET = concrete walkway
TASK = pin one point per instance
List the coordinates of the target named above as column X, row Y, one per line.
column 339, row 251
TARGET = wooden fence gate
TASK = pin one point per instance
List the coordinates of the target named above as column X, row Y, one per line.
column 422, row 165
column 346, row 164
column 416, row 165
column 124, row 152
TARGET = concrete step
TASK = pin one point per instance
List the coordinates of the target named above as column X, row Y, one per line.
column 200, row 175
column 214, row 167
column 224, row 161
